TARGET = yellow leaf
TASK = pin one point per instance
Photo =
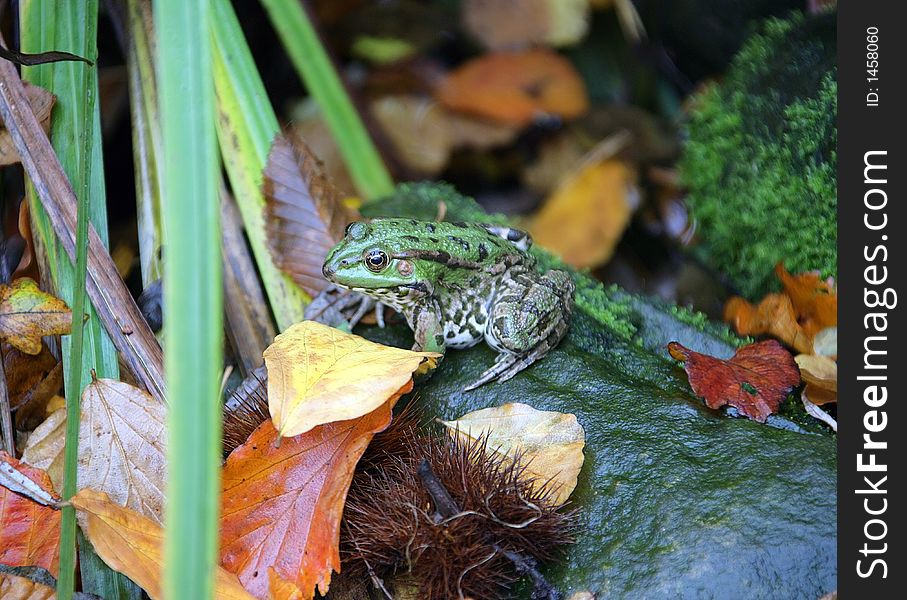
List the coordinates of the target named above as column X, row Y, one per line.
column 318, row 375
column 587, row 214
column 123, row 445
column 133, row 544
column 550, row 443
column 27, row 314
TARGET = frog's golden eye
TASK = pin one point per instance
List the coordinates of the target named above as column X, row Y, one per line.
column 375, row 260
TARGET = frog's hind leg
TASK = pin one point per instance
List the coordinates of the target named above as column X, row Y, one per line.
column 529, row 317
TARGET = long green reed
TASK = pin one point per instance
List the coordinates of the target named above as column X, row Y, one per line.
column 301, row 41
column 193, row 303
column 75, row 132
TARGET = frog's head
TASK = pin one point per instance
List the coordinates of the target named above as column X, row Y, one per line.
column 366, row 258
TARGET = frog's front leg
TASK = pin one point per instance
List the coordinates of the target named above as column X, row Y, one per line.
column 428, row 330
column 528, row 317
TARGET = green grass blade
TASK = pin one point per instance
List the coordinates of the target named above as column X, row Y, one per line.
column 299, row 37
column 146, row 142
column 193, row 303
column 75, row 132
column 246, row 126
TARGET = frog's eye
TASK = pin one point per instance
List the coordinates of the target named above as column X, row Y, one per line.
column 375, row 260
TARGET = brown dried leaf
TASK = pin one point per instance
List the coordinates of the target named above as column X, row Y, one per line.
column 44, row 449
column 13, row 587
column 122, row 446
column 516, row 23
column 304, row 214
column 42, row 103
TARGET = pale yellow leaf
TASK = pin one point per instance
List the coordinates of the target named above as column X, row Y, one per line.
column 585, row 217
column 132, row 544
column 44, row 449
column 122, row 445
column 550, row 443
column 818, row 370
column 317, row 375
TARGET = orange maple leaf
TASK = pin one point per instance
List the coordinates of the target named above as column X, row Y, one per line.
column 516, row 87
column 29, row 532
column 756, row 380
column 282, row 504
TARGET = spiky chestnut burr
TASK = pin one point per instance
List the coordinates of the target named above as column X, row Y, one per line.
column 460, row 520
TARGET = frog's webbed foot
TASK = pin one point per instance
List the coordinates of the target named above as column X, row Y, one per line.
column 505, row 367
column 342, row 308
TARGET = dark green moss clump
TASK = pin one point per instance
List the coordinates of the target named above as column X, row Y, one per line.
column 761, row 159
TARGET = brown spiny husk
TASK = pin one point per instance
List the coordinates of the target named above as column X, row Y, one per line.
column 245, row 409
column 392, row 526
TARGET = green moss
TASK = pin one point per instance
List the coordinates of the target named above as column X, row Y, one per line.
column 760, row 162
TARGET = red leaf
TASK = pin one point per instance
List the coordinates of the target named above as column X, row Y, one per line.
column 29, row 532
column 282, row 505
column 756, row 380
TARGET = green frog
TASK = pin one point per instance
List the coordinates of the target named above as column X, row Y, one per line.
column 457, row 284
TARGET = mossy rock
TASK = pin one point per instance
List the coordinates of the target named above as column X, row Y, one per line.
column 676, row 500
column 761, row 158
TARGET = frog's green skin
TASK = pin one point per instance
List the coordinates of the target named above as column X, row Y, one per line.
column 457, row 284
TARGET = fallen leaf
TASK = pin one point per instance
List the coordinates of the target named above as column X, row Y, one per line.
column 756, row 380
column 417, row 128
column 304, row 214
column 41, row 103
column 516, row 87
column 123, row 446
column 27, row 314
column 133, row 545
column 29, row 531
column 584, row 219
column 282, row 504
column 818, row 370
column 774, row 316
column 501, row 25
column 13, row 587
column 826, row 342
column 424, row 133
column 815, row 300
column 317, row 375
column 550, row 444
column 813, row 410
column 281, row 589
column 31, row 378
column 44, row 449
column 820, row 373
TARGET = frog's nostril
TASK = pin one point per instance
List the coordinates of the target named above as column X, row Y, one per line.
column 327, row 271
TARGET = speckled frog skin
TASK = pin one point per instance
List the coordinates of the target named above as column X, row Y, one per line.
column 457, row 284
